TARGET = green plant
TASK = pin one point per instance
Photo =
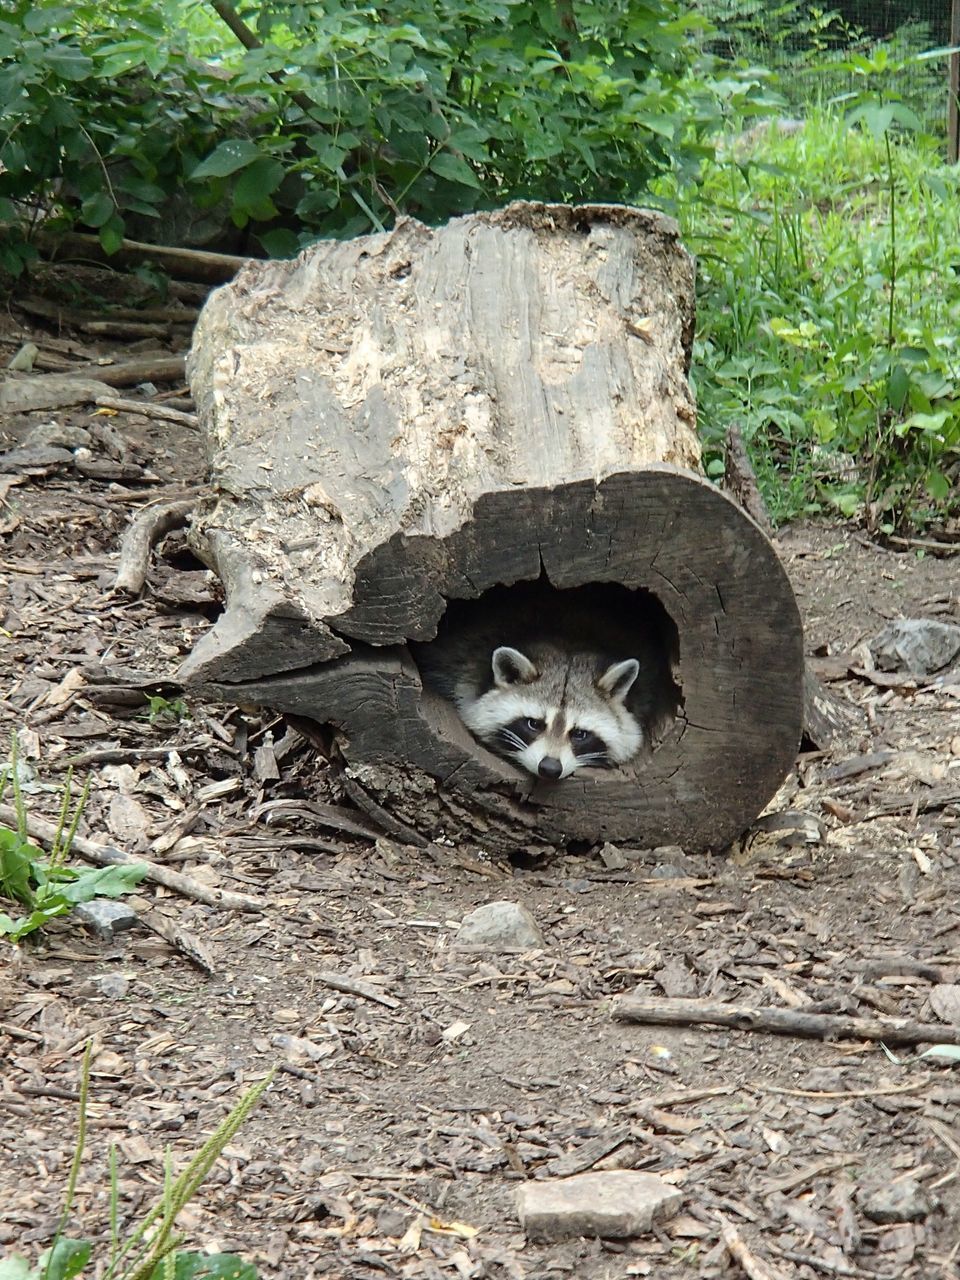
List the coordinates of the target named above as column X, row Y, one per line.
column 161, row 709
column 47, row 886
column 332, row 118
column 151, row 1249
column 827, row 324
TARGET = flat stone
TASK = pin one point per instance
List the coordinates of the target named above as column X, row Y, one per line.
column 905, row 1201
column 105, row 917
column 617, row 1204
column 919, row 646
column 499, row 924
column 25, row 393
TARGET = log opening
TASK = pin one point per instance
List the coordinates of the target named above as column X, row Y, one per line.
column 605, row 619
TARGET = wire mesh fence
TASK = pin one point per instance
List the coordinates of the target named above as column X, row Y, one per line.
column 811, row 47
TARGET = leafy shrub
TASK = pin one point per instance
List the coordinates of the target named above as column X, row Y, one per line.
column 337, row 117
column 827, row 323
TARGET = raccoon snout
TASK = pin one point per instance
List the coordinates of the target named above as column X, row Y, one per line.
column 550, row 767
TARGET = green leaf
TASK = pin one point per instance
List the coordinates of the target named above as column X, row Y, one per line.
column 203, row 1266
column 102, row 882
column 15, row 930
column 280, row 243
column 454, row 169
column 230, row 157
column 16, row 1267
column 938, row 486
column 942, row 1052
column 111, row 238
column 898, row 387
column 258, row 181
column 66, row 1259
column 68, row 62
column 97, row 209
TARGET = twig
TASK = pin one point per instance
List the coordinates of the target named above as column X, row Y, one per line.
column 142, row 534
column 158, row 368
column 391, row 825
column 740, row 479
column 106, row 856
column 147, row 409
column 354, row 987
column 789, row 1022
column 21, row 1033
column 790, row 1181
column 737, row 1248
column 180, row 939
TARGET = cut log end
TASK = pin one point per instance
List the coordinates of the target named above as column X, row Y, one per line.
column 667, row 553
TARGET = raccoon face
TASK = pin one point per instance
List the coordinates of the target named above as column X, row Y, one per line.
column 558, row 714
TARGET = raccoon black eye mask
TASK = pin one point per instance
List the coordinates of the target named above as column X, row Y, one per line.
column 553, row 712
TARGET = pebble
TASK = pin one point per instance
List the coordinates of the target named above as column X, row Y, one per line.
column 105, row 917
column 905, row 1201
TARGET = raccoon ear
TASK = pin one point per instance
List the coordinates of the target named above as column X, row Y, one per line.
column 510, row 666
column 617, row 681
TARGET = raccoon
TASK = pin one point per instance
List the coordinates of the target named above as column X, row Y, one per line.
column 553, row 699
column 554, row 710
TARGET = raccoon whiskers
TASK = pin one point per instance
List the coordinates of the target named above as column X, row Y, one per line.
column 510, row 739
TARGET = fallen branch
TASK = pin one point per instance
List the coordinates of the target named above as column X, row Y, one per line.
column 356, row 987
column 106, row 856
column 158, row 368
column 147, row 409
column 189, row 264
column 787, row 1022
column 142, row 534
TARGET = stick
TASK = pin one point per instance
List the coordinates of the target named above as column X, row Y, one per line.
column 106, row 856
column 789, row 1022
column 158, row 368
column 142, row 534
column 739, row 1252
column 182, row 940
column 190, row 264
column 356, row 987
column 147, row 409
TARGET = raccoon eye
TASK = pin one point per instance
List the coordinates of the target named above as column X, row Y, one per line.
column 534, row 725
column 579, row 735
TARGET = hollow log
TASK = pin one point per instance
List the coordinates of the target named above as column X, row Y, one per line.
column 410, row 427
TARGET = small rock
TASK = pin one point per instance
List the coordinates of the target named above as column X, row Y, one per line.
column 105, row 917
column 667, row 871
column 611, row 1205
column 499, row 924
column 112, row 985
column 612, row 858
column 57, row 433
column 905, row 1201
column 391, row 1222
column 917, row 645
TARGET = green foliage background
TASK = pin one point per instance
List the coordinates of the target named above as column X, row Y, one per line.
column 340, row 115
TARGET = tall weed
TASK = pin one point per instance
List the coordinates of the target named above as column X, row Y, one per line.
column 829, row 314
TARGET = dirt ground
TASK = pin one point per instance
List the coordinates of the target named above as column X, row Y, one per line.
column 421, row 1083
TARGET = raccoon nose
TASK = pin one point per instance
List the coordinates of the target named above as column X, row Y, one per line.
column 550, row 767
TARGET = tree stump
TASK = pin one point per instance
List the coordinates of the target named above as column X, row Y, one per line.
column 438, row 418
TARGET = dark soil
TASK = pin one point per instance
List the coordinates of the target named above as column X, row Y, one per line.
column 409, row 1107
